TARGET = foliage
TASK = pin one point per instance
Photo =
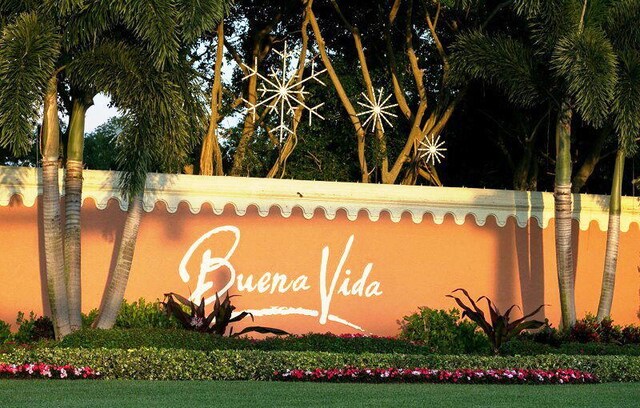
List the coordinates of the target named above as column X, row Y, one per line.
column 100, row 146
column 191, row 340
column 426, row 375
column 168, row 364
column 33, row 329
column 180, row 339
column 216, row 322
column 442, row 332
column 5, row 332
column 589, row 330
column 500, row 328
column 528, row 347
column 141, row 314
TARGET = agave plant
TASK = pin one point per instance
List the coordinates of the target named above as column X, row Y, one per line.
column 216, row 322
column 499, row 329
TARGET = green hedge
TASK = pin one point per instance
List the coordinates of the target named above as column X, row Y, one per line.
column 183, row 339
column 528, row 347
column 168, row 364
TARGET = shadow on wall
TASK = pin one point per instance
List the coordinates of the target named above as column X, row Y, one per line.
column 110, row 223
column 522, row 248
column 159, row 184
column 529, row 251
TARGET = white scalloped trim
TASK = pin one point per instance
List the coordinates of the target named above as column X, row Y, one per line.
column 310, row 196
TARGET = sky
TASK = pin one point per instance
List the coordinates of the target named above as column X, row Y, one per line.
column 99, row 113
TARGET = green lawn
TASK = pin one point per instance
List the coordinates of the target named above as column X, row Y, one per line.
column 254, row 394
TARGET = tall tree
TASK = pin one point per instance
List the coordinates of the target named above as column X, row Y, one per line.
column 622, row 27
column 568, row 59
column 161, row 32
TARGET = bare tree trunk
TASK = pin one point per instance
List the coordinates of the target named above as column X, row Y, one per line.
column 563, row 202
column 72, row 207
column 211, row 155
column 54, row 255
column 114, row 293
column 613, row 240
column 353, row 116
column 260, row 50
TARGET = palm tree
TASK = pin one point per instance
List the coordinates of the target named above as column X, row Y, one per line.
column 29, row 52
column 567, row 59
column 626, row 119
column 63, row 35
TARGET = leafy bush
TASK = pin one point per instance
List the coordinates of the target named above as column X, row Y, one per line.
column 5, row 332
column 142, row 314
column 442, row 332
column 88, row 319
column 33, row 329
column 167, row 364
column 590, row 330
column 631, row 335
column 500, row 329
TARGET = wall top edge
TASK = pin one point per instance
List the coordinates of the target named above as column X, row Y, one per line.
column 241, row 192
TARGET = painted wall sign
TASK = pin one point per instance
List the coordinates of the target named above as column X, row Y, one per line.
column 217, row 276
column 311, row 256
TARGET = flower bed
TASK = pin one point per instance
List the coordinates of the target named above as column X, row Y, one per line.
column 42, row 370
column 425, row 375
column 171, row 364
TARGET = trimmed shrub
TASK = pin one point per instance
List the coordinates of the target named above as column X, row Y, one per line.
column 166, row 364
column 183, row 339
column 529, row 347
column 443, row 332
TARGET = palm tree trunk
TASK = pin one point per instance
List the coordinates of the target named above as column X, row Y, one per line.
column 613, row 240
column 562, row 196
column 114, row 293
column 72, row 206
column 53, row 250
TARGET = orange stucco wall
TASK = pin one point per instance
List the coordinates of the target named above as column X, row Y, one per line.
column 412, row 264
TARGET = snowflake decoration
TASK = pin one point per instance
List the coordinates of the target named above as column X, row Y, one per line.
column 283, row 93
column 432, row 149
column 378, row 110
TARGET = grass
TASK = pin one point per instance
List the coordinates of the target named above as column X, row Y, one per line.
column 21, row 393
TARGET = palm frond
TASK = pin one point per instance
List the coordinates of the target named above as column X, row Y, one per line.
column 155, row 22
column 622, row 26
column 626, row 103
column 197, row 17
column 87, row 25
column 65, row 7
column 29, row 48
column 587, row 63
column 499, row 60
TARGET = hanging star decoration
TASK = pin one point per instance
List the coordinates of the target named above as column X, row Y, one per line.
column 282, row 93
column 377, row 109
column 431, row 149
